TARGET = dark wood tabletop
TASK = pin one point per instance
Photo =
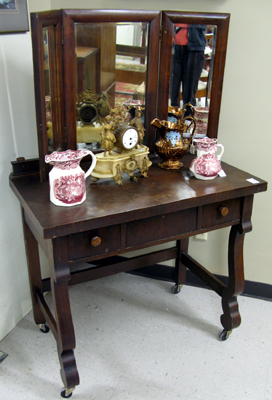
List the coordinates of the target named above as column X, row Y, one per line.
column 108, row 203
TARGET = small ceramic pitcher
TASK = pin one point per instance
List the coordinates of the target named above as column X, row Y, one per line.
column 67, row 179
column 207, row 164
column 201, row 118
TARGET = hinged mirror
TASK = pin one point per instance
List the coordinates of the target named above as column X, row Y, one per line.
column 89, row 61
column 209, row 57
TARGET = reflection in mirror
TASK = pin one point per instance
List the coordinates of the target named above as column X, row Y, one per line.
column 50, row 73
column 47, row 89
column 111, row 65
column 191, row 70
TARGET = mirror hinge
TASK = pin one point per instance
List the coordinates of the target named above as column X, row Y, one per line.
column 160, row 33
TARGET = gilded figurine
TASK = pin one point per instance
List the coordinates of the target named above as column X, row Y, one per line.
column 103, row 105
column 107, row 136
column 136, row 122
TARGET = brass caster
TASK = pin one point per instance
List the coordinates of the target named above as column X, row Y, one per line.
column 176, row 289
column 66, row 392
column 224, row 335
column 44, row 328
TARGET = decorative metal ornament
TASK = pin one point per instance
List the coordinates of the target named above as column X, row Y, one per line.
column 172, row 146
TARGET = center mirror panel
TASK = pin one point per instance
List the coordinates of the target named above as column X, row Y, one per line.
column 111, row 74
column 114, row 66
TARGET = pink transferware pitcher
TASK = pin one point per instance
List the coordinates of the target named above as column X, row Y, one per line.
column 207, row 164
column 67, row 179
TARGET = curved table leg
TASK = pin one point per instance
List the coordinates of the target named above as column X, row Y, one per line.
column 65, row 334
column 65, row 330
column 231, row 318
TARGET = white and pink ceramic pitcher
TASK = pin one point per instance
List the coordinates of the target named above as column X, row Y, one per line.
column 207, row 164
column 67, row 179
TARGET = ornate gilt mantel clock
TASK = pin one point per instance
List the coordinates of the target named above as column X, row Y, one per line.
column 123, row 152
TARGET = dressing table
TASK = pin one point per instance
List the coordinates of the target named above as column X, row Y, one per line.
column 168, row 206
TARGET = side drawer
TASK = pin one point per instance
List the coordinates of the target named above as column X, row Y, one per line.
column 160, row 227
column 219, row 213
column 94, row 242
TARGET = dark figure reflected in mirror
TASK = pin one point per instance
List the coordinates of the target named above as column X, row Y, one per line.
column 8, row 5
column 187, row 62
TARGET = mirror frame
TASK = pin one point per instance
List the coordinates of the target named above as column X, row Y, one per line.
column 52, row 21
column 69, row 18
column 62, row 68
column 169, row 18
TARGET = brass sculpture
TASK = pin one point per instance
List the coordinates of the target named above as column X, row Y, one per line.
column 107, row 136
column 172, row 146
column 91, row 107
column 120, row 157
column 136, row 122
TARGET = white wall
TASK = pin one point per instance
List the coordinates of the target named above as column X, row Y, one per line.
column 18, row 138
column 244, row 130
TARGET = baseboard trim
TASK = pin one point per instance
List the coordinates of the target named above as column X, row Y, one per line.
column 257, row 290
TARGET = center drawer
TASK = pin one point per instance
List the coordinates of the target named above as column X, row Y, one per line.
column 224, row 212
column 95, row 242
column 160, row 227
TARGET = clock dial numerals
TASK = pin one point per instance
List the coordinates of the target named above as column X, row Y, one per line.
column 130, row 138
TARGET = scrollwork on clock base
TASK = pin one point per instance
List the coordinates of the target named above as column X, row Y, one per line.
column 128, row 162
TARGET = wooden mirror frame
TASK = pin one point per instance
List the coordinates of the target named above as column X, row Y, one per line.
column 62, row 70
column 62, row 64
column 169, row 18
column 52, row 21
column 69, row 18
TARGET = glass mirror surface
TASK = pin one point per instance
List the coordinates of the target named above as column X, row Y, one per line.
column 47, row 86
column 192, row 59
column 111, row 71
column 51, row 96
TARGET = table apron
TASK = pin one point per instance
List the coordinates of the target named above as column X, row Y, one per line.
column 103, row 242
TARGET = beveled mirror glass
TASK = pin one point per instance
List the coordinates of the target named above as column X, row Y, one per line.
column 115, row 58
column 193, row 50
column 111, row 71
column 202, row 81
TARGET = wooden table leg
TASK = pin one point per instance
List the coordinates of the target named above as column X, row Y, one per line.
column 231, row 318
column 34, row 270
column 180, row 268
column 60, row 275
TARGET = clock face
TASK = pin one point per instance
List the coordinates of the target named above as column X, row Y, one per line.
column 87, row 114
column 130, row 138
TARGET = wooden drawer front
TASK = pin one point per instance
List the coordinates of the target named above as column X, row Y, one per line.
column 220, row 213
column 165, row 226
column 95, row 242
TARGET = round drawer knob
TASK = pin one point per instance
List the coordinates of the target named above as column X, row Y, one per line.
column 96, row 241
column 224, row 211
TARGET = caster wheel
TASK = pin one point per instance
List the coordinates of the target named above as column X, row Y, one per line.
column 44, row 328
column 176, row 289
column 66, row 393
column 224, row 335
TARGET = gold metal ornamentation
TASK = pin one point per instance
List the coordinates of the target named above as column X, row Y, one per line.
column 118, row 177
column 130, row 165
column 172, row 145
